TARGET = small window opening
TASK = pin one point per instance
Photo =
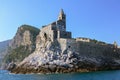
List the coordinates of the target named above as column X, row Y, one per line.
column 69, row 46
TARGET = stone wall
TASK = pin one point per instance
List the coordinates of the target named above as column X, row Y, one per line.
column 68, row 44
column 90, row 49
column 46, row 28
column 64, row 34
column 71, row 44
column 48, row 33
column 52, row 31
column 61, row 24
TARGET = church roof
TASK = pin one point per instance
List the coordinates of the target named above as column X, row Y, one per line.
column 61, row 12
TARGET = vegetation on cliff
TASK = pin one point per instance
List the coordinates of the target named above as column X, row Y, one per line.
column 3, row 49
column 33, row 30
column 17, row 54
column 19, row 48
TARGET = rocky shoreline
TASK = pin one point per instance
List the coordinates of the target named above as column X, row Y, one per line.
column 46, row 69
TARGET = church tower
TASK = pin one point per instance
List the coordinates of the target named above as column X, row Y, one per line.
column 61, row 23
column 62, row 16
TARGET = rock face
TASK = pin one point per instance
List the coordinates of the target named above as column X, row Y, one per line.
column 25, row 36
column 57, row 52
column 3, row 49
column 21, row 45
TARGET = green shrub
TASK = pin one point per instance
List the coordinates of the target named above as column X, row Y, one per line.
column 18, row 54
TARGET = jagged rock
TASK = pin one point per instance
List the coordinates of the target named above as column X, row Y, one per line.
column 11, row 66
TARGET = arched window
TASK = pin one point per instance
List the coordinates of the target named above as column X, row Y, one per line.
column 45, row 35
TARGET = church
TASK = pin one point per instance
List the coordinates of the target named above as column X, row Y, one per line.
column 56, row 29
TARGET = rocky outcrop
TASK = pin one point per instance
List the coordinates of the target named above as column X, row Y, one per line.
column 21, row 45
column 69, row 55
column 3, row 50
column 25, row 36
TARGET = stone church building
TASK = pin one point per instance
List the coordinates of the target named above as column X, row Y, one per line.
column 57, row 29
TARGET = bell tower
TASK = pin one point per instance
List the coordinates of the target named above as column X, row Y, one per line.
column 61, row 23
column 62, row 16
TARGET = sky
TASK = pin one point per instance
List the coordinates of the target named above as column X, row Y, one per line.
column 95, row 19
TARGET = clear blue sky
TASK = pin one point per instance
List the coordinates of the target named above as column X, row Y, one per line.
column 96, row 19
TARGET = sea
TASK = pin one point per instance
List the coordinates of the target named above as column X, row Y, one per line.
column 100, row 75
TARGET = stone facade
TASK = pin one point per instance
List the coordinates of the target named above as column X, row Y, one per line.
column 57, row 29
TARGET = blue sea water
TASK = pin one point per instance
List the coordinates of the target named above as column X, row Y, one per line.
column 101, row 75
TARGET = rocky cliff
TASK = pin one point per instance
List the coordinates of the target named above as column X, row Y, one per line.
column 3, row 49
column 69, row 55
column 21, row 45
